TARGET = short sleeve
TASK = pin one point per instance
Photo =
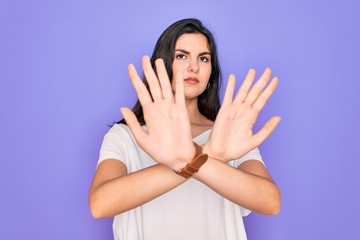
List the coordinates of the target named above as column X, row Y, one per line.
column 115, row 144
column 252, row 155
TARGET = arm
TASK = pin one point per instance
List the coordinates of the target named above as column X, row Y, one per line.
column 167, row 140
column 250, row 185
column 113, row 191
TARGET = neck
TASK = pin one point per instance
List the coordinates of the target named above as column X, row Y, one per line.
column 199, row 123
column 196, row 118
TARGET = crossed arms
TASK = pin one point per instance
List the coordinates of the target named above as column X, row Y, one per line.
column 114, row 190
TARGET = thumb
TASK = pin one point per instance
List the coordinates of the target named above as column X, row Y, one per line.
column 133, row 124
column 266, row 130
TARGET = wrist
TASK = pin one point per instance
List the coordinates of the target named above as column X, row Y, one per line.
column 192, row 167
column 178, row 164
column 207, row 150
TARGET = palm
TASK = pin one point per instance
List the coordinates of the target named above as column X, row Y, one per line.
column 168, row 132
column 168, row 136
column 232, row 135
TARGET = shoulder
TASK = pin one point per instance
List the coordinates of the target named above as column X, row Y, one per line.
column 119, row 129
column 121, row 132
column 117, row 139
column 251, row 155
column 117, row 143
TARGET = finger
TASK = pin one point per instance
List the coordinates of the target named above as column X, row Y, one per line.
column 258, row 87
column 141, row 90
column 179, row 88
column 151, row 78
column 164, row 80
column 266, row 130
column 266, row 94
column 245, row 86
column 134, row 125
column 228, row 96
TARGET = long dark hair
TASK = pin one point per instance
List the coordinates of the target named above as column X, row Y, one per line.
column 208, row 101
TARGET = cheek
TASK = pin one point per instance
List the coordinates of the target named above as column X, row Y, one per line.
column 172, row 80
column 176, row 68
column 173, row 86
column 208, row 71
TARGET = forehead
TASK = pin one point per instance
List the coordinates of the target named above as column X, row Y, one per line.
column 192, row 42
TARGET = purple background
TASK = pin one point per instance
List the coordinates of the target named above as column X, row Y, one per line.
column 63, row 72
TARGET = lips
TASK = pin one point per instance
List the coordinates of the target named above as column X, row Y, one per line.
column 191, row 81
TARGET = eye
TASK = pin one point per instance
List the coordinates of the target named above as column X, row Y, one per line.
column 204, row 59
column 180, row 56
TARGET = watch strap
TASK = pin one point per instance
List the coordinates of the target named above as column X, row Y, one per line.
column 192, row 167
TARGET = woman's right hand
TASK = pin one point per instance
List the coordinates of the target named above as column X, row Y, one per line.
column 168, row 136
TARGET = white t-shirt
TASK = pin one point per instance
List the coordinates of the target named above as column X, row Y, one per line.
column 191, row 211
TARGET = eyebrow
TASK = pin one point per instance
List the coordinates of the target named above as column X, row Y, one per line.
column 187, row 52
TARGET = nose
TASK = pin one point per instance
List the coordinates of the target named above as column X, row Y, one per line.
column 193, row 67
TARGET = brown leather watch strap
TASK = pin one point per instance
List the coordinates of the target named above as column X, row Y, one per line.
column 194, row 166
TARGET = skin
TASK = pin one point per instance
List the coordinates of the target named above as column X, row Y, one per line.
column 173, row 119
column 193, row 60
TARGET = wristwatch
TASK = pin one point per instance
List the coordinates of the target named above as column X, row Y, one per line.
column 193, row 166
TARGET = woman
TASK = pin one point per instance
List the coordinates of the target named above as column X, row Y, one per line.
column 173, row 171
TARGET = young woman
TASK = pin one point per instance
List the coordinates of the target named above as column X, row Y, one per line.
column 179, row 166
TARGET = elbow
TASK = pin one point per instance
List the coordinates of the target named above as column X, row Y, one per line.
column 101, row 207
column 274, row 203
column 275, row 209
column 95, row 207
column 96, row 213
column 270, row 202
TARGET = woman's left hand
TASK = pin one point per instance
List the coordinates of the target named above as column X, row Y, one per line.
column 232, row 135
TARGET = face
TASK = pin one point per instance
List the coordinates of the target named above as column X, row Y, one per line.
column 193, row 59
